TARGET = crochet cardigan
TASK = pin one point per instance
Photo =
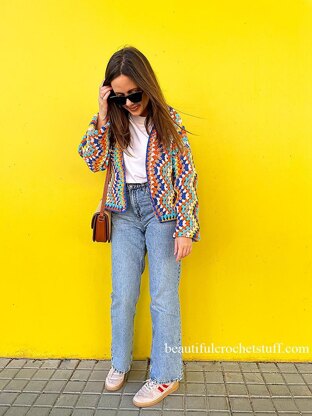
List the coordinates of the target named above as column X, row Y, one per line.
column 171, row 176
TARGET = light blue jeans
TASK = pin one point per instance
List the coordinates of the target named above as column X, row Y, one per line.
column 135, row 233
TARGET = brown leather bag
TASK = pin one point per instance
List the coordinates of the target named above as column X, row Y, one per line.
column 101, row 221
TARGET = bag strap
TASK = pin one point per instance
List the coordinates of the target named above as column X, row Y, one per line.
column 108, row 175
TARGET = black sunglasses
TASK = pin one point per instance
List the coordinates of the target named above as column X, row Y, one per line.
column 134, row 97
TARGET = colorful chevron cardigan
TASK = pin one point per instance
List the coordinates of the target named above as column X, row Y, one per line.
column 172, row 177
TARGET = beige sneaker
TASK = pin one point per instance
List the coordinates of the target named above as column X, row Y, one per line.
column 114, row 380
column 151, row 392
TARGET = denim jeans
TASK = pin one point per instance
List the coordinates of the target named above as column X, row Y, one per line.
column 135, row 232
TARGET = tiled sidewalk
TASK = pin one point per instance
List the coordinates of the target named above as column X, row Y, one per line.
column 76, row 387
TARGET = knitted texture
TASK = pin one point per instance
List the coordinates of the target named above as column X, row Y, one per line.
column 171, row 176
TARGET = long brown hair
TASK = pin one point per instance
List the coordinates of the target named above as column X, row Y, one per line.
column 131, row 62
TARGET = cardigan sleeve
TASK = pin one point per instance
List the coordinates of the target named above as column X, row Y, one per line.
column 94, row 146
column 185, row 185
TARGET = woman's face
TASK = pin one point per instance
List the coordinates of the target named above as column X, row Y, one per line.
column 123, row 85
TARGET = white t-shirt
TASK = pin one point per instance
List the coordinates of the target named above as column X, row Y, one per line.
column 135, row 164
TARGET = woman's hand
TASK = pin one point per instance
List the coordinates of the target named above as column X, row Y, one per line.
column 182, row 247
column 104, row 93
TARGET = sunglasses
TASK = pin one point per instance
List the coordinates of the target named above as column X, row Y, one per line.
column 134, row 97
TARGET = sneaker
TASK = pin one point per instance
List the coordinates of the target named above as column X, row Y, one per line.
column 114, row 380
column 152, row 392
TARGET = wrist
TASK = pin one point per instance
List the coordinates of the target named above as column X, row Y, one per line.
column 102, row 118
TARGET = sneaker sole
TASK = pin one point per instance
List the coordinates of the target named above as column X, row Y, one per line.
column 139, row 404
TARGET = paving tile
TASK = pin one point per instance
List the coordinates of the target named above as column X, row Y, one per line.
column 213, row 377
column 104, row 412
column 3, row 383
column 258, row 390
column 38, row 411
column 16, row 385
column 50, row 363
column 195, row 376
column 16, row 363
column 61, row 412
column 212, row 366
column 194, row 403
column 88, row 401
column 126, row 402
column 268, row 367
column 196, row 388
column 43, row 374
column 98, row 375
column 194, row 366
column 83, row 412
column 68, row 364
column 284, row 404
column 26, row 399
column 25, row 373
column 249, row 366
column 221, row 413
column 245, row 414
column 215, row 389
column 262, row 404
column 231, row 366
column 177, row 413
column 132, row 412
column 173, row 402
column 307, row 377
column 62, row 374
column 35, row 386
column 109, row 401
column 132, row 387
column 237, row 389
column 292, row 378
column 253, row 378
column 56, row 386
column 4, row 362
column 279, row 390
column 8, row 373
column 218, row 403
column 273, row 378
column 33, row 363
column 67, row 400
column 233, row 377
column 265, row 413
column 287, row 367
column 153, row 412
column 73, row 386
column 304, row 404
column 139, row 365
column 17, row 411
column 304, row 367
column 80, row 375
column 240, row 404
column 94, row 387
column 86, row 364
column 228, row 388
column 7, row 398
column 137, row 375
column 300, row 390
column 102, row 365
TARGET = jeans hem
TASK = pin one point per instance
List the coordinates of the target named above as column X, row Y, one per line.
column 181, row 376
column 120, row 371
column 167, row 381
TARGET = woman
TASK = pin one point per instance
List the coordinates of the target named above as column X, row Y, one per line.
column 152, row 196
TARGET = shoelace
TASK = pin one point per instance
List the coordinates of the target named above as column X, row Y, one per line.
column 116, row 372
column 149, row 384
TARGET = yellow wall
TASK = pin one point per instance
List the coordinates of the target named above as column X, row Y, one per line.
column 241, row 72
